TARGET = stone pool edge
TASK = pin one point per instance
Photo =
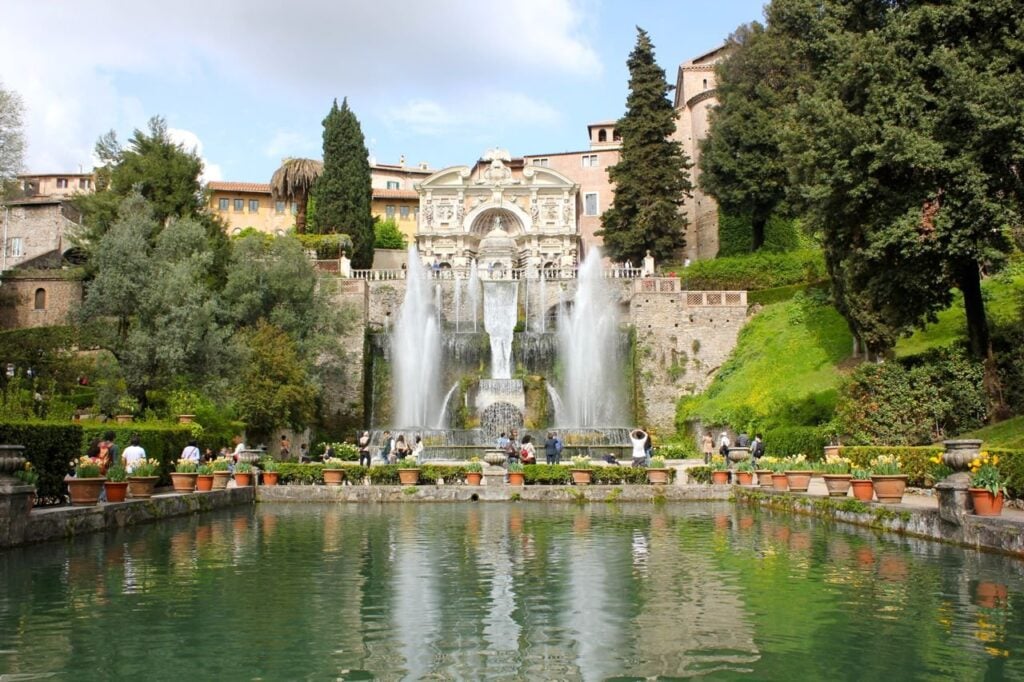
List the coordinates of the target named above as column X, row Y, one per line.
column 465, row 493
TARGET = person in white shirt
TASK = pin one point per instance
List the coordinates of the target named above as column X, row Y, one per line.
column 191, row 452
column 638, row 437
column 723, row 444
column 133, row 453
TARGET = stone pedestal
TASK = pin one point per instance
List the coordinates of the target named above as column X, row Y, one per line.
column 954, row 500
column 494, row 470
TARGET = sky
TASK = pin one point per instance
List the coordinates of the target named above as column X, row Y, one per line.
column 247, row 83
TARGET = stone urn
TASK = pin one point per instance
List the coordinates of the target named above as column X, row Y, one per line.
column 738, row 454
column 12, row 458
column 954, row 500
column 494, row 467
column 960, row 453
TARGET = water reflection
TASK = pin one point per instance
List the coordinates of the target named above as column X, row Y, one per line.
column 507, row 591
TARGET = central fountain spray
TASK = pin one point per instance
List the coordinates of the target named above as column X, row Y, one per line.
column 416, row 350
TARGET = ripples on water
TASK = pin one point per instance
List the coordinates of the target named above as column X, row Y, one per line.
column 506, row 591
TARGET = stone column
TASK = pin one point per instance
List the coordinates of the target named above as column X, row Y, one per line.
column 15, row 497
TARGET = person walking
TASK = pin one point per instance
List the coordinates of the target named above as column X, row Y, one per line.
column 133, row 453
column 191, row 452
column 417, row 450
column 559, row 446
column 388, row 448
column 724, row 444
column 708, row 447
column 364, row 449
column 638, row 438
column 112, row 449
column 528, row 453
column 551, row 449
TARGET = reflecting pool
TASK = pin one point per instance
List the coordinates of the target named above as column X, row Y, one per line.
column 507, row 591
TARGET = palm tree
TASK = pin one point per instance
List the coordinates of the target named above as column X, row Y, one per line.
column 293, row 182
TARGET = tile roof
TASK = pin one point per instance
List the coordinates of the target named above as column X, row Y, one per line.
column 251, row 187
column 379, row 193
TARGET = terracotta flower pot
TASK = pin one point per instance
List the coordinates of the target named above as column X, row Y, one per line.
column 764, row 478
column 141, row 487
column 123, row 418
column 719, row 477
column 243, row 480
column 85, row 491
column 516, row 478
column 779, row 482
column 473, row 477
column 581, row 476
column 990, row 595
column 798, row 481
column 116, row 490
column 657, row 476
column 985, row 503
column 186, row 418
column 270, row 477
column 838, row 484
column 183, row 483
column 863, row 489
column 220, row 479
column 744, row 478
column 409, row 476
column 204, row 483
column 334, row 477
column 889, row 489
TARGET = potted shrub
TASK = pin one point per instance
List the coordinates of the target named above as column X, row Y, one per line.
column 836, row 474
column 582, row 470
column 474, row 472
column 87, row 483
column 745, row 472
column 142, row 478
column 243, row 474
column 515, row 474
column 657, row 473
column 184, row 476
column 270, row 472
column 221, row 472
column 798, row 473
column 204, row 481
column 889, row 483
column 719, row 470
column 778, row 468
column 334, row 472
column 116, row 484
column 860, row 482
column 408, row 471
column 988, row 486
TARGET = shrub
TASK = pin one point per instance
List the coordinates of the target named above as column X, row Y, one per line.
column 784, row 441
column 700, row 474
column 327, row 246
column 50, row 448
column 543, row 474
column 735, row 234
column 386, row 235
column 1011, row 464
column 755, row 271
column 684, row 449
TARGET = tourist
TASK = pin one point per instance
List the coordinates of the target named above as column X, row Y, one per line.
column 103, row 457
column 286, row 447
column 743, row 440
column 648, row 449
column 551, row 448
column 133, row 453
column 387, row 448
column 417, row 450
column 190, row 452
column 503, row 441
column 638, row 438
column 528, row 453
column 512, row 448
column 401, row 448
column 303, row 453
column 610, row 459
column 329, row 453
column 115, row 452
column 558, row 448
column 757, row 448
column 723, row 444
column 364, row 449
column 708, row 447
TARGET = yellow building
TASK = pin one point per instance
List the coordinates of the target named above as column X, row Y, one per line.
column 394, row 197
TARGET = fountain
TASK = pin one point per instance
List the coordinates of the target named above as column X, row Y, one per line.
column 415, row 349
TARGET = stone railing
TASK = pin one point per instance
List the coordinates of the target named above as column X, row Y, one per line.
column 562, row 273
column 673, row 285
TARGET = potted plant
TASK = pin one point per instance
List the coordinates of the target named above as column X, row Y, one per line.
column 184, row 476
column 474, row 471
column 270, row 472
column 988, row 486
column 142, row 478
column 836, row 474
column 889, row 483
column 778, row 468
column 116, row 484
column 798, row 473
column 221, row 472
column 204, row 481
column 719, row 470
column 408, row 471
column 334, row 472
column 860, row 482
column 127, row 406
column 657, row 472
column 582, row 470
column 745, row 472
column 765, row 473
column 243, row 474
column 87, row 483
column 515, row 474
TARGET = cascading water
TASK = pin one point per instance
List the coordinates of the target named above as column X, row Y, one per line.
column 500, row 306
column 542, row 312
column 474, row 291
column 592, row 391
column 442, row 417
column 416, row 350
column 458, row 303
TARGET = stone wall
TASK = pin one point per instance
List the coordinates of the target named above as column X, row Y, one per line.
column 40, row 225
column 343, row 397
column 18, row 300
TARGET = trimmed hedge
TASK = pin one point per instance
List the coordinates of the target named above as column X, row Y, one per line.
column 51, row 448
column 161, row 441
column 1011, row 463
column 784, row 441
column 753, row 271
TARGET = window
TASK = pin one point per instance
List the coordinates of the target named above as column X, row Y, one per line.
column 40, row 299
column 62, row 183
column 222, row 204
column 254, row 205
column 403, row 212
column 415, row 212
column 84, row 183
column 616, row 137
column 540, row 162
column 295, row 208
column 705, row 83
column 279, row 207
column 239, row 205
column 17, row 248
column 389, row 211
column 393, row 184
column 590, row 160
column 590, row 203
column 602, row 136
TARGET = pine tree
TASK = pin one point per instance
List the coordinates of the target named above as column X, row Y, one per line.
column 652, row 176
column 343, row 191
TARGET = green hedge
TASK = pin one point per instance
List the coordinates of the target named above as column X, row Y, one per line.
column 753, row 271
column 51, row 448
column 161, row 441
column 784, row 441
column 1011, row 463
column 327, row 246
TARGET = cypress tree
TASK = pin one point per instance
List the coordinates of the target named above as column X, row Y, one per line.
column 652, row 176
column 343, row 190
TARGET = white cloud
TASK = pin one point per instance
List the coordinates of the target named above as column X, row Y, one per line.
column 191, row 142
column 479, row 113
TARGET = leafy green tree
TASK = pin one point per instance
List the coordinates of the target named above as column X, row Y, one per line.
column 742, row 165
column 12, row 138
column 387, row 235
column 294, row 181
column 343, row 191
column 652, row 176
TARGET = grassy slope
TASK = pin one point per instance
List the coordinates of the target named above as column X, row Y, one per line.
column 1005, row 434
column 785, row 354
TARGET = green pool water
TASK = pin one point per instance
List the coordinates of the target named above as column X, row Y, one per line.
column 507, row 591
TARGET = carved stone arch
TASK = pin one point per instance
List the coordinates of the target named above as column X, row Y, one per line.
column 515, row 220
